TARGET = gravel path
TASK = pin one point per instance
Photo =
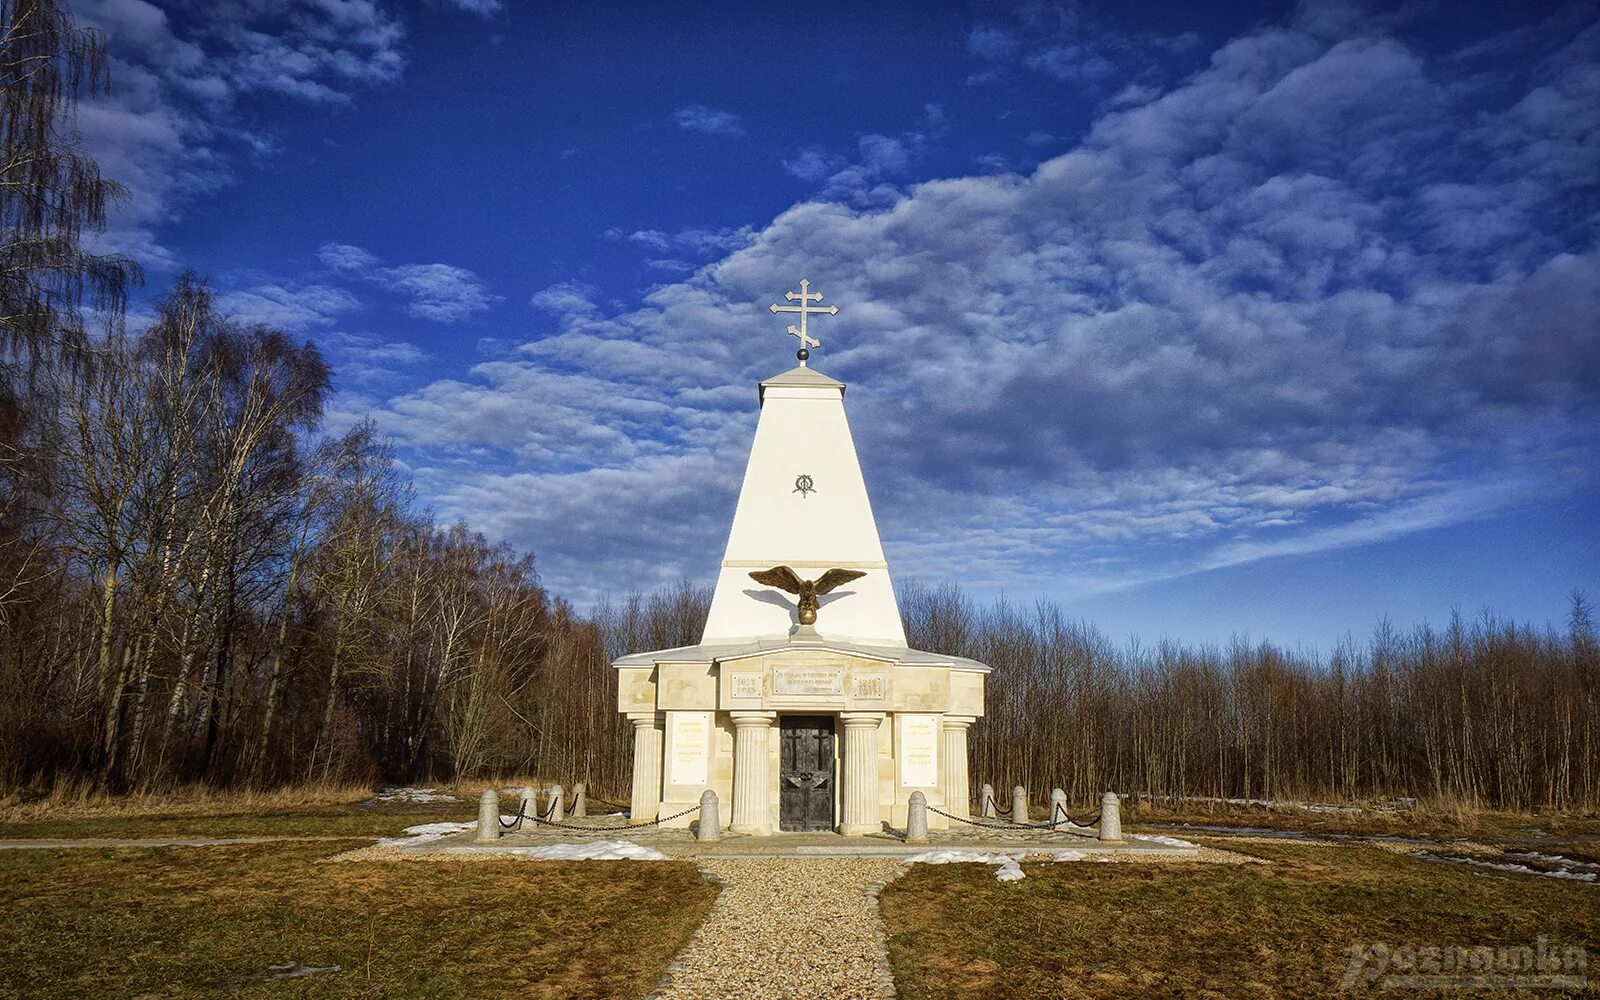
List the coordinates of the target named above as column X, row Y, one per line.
column 789, row 928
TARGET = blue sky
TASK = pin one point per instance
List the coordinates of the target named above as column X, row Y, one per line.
column 1269, row 319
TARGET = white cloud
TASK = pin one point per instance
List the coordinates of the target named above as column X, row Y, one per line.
column 439, row 292
column 295, row 308
column 442, row 293
column 708, row 121
column 988, row 42
column 567, row 299
column 1070, row 44
column 1071, row 64
column 347, row 259
column 694, row 240
column 482, row 8
column 870, row 176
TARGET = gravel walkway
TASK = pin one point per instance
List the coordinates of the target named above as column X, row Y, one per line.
column 789, row 928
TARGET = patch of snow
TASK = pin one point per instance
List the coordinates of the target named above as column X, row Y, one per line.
column 1069, row 856
column 1554, row 859
column 1243, row 831
column 599, row 850
column 1500, row 866
column 408, row 794
column 959, row 857
column 1320, row 807
column 424, row 833
column 1154, row 839
column 1008, row 870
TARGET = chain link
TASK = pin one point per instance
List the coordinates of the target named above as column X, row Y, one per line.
column 1052, row 825
column 625, row 824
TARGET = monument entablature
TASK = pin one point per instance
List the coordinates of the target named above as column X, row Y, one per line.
column 802, row 702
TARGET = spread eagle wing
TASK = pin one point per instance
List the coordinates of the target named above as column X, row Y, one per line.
column 837, row 578
column 781, row 577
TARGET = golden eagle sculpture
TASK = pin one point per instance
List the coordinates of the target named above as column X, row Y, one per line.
column 787, row 579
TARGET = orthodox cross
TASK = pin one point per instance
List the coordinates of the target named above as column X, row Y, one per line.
column 805, row 308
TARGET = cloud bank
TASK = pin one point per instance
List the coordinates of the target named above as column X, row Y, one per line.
column 1325, row 291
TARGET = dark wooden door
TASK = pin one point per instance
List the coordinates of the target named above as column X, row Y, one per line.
column 805, row 778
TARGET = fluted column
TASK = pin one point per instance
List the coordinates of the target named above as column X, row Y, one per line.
column 957, row 793
column 646, row 802
column 752, row 778
column 861, row 811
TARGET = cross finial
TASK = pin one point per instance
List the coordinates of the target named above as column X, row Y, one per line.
column 805, row 297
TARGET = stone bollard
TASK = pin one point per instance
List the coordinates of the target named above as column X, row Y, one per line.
column 1019, row 805
column 557, row 805
column 986, row 808
column 710, row 822
column 1058, row 809
column 917, row 819
column 489, row 815
column 1110, row 818
column 529, row 810
column 579, row 805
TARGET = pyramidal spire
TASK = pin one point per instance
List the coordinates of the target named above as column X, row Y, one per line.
column 804, row 505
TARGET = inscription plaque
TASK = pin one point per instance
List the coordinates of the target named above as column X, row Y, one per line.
column 808, row 680
column 745, row 686
column 919, row 753
column 868, row 688
column 691, row 747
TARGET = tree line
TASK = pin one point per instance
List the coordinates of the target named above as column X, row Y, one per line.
column 195, row 583
column 1483, row 712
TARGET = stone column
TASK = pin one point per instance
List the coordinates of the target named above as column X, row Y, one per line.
column 489, row 815
column 646, row 802
column 1058, row 809
column 917, row 819
column 1110, row 818
column 752, row 791
column 861, row 812
column 1019, row 805
column 710, row 825
column 957, row 791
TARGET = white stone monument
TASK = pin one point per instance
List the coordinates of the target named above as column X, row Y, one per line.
column 831, row 725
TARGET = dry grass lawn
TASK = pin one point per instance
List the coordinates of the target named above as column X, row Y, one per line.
column 1278, row 930
column 301, row 810
column 1423, row 820
column 179, row 922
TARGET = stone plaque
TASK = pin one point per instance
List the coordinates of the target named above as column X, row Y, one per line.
column 868, row 687
column 919, row 750
column 808, row 680
column 744, row 686
column 691, row 747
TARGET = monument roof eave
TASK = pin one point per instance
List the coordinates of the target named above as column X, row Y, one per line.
column 801, row 375
column 721, row 652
